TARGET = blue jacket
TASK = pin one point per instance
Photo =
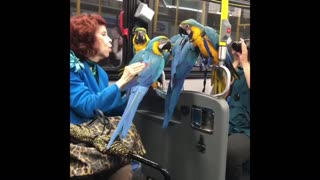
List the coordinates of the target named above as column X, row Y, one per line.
column 239, row 104
column 86, row 95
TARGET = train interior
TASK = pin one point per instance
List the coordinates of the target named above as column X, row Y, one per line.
column 195, row 143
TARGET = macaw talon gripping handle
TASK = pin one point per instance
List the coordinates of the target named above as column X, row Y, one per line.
column 228, row 81
column 162, row 91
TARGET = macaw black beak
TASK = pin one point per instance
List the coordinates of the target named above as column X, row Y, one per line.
column 166, row 46
column 140, row 38
column 182, row 31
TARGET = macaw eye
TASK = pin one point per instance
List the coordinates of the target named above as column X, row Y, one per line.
column 187, row 25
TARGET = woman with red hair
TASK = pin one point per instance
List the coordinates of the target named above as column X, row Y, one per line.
column 89, row 83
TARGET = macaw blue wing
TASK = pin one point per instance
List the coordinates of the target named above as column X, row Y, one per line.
column 171, row 100
column 185, row 56
column 155, row 66
column 213, row 36
column 176, row 37
column 214, row 39
column 137, row 92
column 138, row 89
column 179, row 42
column 136, row 95
column 166, row 57
column 137, row 57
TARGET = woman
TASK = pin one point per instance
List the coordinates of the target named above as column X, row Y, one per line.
column 238, row 152
column 89, row 83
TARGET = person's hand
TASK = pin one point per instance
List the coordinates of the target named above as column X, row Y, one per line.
column 243, row 57
column 244, row 61
column 129, row 73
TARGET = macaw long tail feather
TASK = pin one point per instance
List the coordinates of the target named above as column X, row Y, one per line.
column 218, row 80
column 171, row 101
column 136, row 95
column 166, row 106
column 115, row 133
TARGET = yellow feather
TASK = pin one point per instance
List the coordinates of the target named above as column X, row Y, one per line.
column 155, row 48
column 218, row 83
column 197, row 40
column 139, row 47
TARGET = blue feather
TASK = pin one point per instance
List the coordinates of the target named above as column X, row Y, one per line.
column 137, row 89
column 184, row 57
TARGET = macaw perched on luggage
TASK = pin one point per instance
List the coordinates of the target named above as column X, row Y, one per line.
column 140, row 39
column 207, row 39
column 185, row 54
column 153, row 57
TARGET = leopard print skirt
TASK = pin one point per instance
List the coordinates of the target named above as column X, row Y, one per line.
column 88, row 153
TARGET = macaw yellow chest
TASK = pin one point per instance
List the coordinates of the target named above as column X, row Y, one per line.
column 200, row 43
column 139, row 47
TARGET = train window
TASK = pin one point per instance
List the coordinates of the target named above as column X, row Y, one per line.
column 110, row 10
column 168, row 14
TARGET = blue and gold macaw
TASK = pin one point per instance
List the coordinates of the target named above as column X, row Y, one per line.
column 185, row 54
column 140, row 39
column 207, row 39
column 153, row 57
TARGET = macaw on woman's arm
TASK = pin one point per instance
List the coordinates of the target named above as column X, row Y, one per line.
column 140, row 41
column 153, row 57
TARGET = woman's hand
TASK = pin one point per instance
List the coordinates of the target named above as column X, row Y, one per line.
column 129, row 73
column 244, row 61
column 243, row 57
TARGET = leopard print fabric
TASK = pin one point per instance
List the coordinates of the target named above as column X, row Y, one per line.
column 89, row 155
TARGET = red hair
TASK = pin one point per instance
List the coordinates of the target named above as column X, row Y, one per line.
column 82, row 34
